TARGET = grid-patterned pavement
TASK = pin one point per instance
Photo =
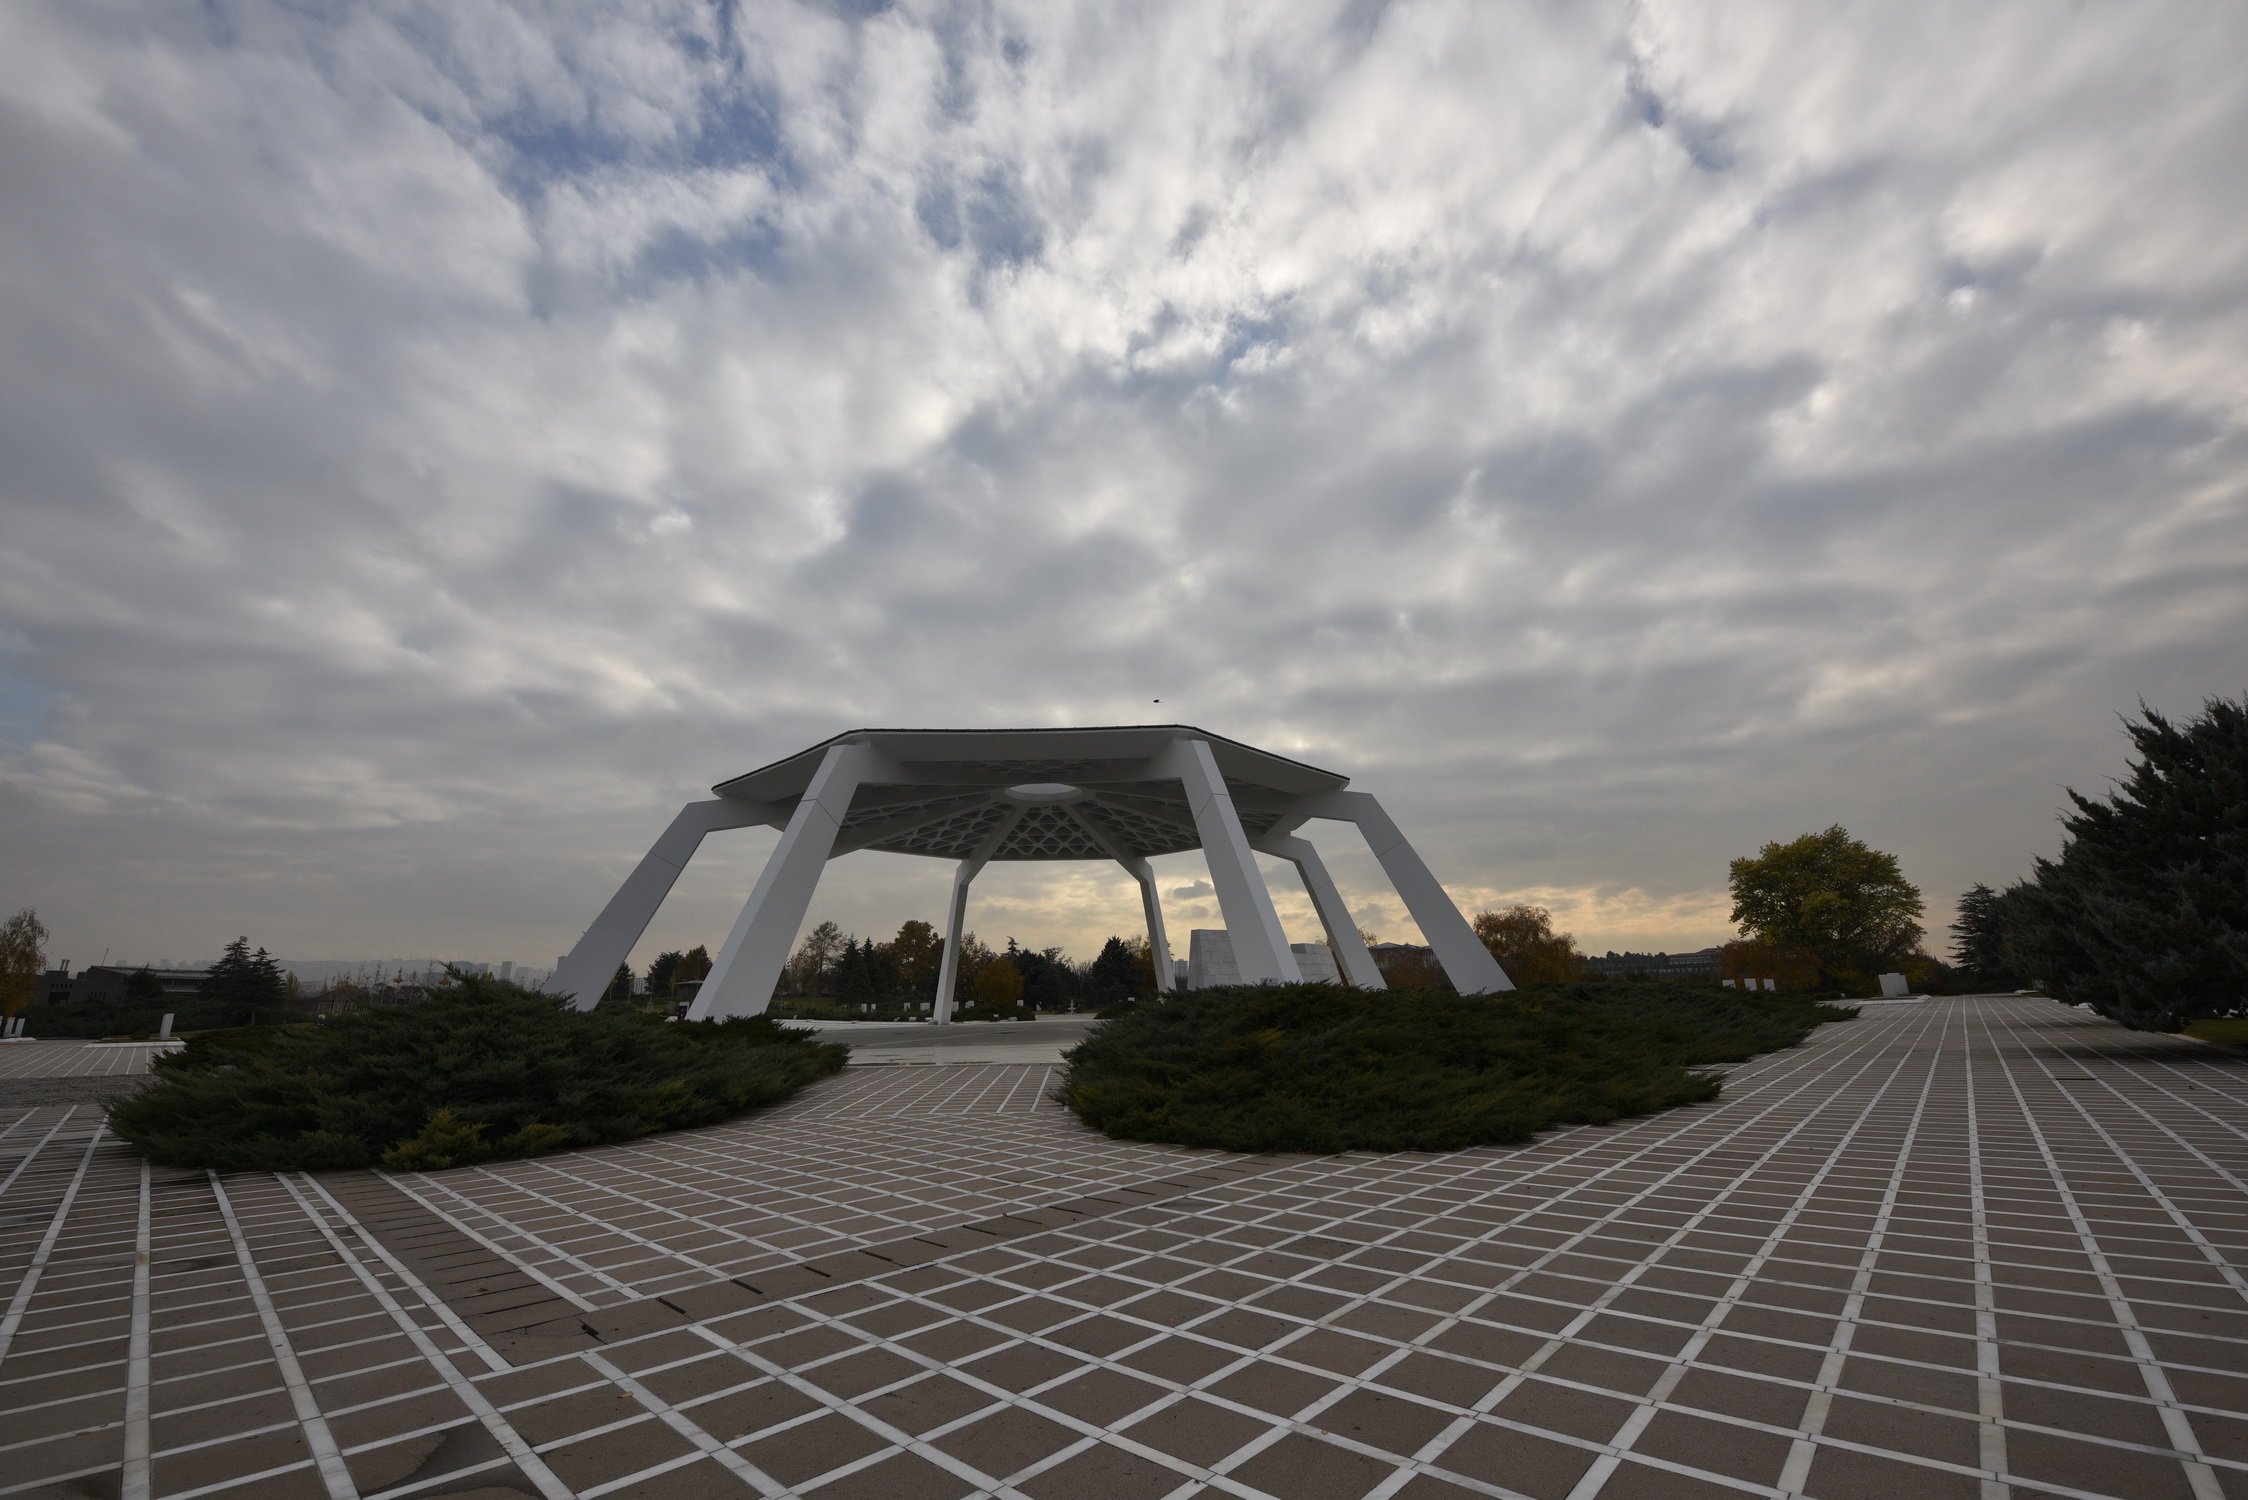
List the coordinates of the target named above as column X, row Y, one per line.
column 875, row 1156
column 1969, row 1248
column 78, row 1059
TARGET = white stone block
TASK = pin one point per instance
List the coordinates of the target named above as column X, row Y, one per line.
column 1892, row 984
column 1316, row 963
column 1209, row 959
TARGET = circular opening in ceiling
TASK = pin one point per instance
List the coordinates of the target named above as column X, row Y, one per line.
column 1044, row 791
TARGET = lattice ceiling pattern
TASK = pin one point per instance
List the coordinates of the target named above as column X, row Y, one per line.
column 1137, row 820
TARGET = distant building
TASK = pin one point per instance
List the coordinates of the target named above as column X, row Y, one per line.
column 107, row 982
column 1697, row 965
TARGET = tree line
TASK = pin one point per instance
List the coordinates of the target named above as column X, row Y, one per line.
column 2144, row 916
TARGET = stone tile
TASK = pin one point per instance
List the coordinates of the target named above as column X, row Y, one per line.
column 2095, row 1416
column 808, row 1450
column 1718, row 1447
column 1008, row 1440
column 1199, row 1431
column 1629, row 1373
column 1520, row 1461
column 928, row 1403
column 1182, row 1360
column 1303, row 1468
column 2096, row 1467
column 1637, row 1481
column 1383, row 1421
column 904, row 1476
column 1558, row 1408
column 1021, row 1367
column 727, row 1418
column 1104, row 1472
column 231, row 1460
column 705, row 1479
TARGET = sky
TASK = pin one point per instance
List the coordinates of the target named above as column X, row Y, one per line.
column 438, row 439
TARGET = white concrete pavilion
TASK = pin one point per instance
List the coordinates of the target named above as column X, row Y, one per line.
column 977, row 795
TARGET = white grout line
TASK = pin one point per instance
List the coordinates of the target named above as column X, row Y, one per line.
column 134, row 1475
column 469, row 1338
column 1990, row 1389
column 532, row 1466
column 24, row 1288
column 2199, row 1475
column 510, row 1257
column 671, row 1417
column 33, row 1154
column 317, row 1437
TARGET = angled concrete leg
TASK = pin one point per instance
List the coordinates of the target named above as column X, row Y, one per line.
column 741, row 981
column 956, row 923
column 587, row 969
column 1158, row 942
column 1467, row 963
column 1342, row 930
column 956, row 919
column 1260, row 943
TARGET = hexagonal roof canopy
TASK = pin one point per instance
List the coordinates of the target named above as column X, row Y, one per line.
column 1071, row 793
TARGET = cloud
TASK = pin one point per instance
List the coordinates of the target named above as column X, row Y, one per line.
column 441, row 439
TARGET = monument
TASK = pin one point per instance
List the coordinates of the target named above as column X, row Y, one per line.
column 1124, row 793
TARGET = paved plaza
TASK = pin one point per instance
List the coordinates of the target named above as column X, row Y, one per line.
column 1968, row 1248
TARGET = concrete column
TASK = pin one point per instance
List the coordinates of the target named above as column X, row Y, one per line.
column 585, row 971
column 1158, row 943
column 1467, row 963
column 1260, row 944
column 742, row 978
column 1342, row 929
column 956, row 921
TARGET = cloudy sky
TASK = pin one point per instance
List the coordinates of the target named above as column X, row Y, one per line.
column 437, row 439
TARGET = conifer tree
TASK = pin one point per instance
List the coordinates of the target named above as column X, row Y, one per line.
column 246, row 987
column 1979, row 936
column 1119, row 974
column 2145, row 915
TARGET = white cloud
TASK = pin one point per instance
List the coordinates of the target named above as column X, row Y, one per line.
column 441, row 436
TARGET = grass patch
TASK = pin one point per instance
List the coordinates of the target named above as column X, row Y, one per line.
column 481, row 1072
column 1324, row 1068
column 2218, row 1030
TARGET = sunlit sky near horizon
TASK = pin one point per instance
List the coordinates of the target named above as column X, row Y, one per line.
column 438, row 439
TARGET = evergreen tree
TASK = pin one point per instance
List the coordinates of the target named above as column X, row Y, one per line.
column 142, row 987
column 2145, row 915
column 865, row 975
column 1118, row 974
column 1979, row 936
column 663, row 974
column 245, row 987
column 620, row 986
column 1047, row 980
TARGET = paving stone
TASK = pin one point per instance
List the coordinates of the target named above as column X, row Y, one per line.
column 1831, row 1170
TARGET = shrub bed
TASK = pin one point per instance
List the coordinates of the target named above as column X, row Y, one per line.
column 1325, row 1068
column 479, row 1072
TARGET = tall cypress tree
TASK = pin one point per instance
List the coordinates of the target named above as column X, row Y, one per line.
column 1979, row 936
column 2145, row 914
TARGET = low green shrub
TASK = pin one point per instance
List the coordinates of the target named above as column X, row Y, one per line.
column 1736, row 1024
column 479, row 1072
column 1325, row 1068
